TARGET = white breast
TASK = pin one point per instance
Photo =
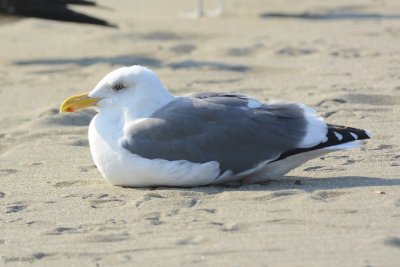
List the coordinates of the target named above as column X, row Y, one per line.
column 104, row 150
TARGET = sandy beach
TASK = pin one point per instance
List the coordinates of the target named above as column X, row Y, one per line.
column 342, row 209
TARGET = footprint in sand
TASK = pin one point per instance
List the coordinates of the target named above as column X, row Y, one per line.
column 346, row 53
column 5, row 172
column 209, row 65
column 106, row 201
column 373, row 99
column 230, row 227
column 244, row 51
column 350, row 161
column 154, row 218
column 84, row 196
column 382, row 147
column 79, row 142
column 107, row 238
column 164, row 36
column 66, row 230
column 277, row 194
column 196, row 240
column 148, row 197
column 323, row 168
column 354, row 53
column 331, row 102
column 87, row 168
column 15, row 207
column 227, row 227
column 292, row 51
column 334, row 157
column 210, row 211
column 185, row 203
column 72, row 183
column 172, row 212
column 192, row 202
column 65, row 184
column 286, row 221
column 392, row 242
column 183, row 49
column 39, row 255
column 326, row 195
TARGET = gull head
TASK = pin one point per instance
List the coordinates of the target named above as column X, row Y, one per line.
column 134, row 89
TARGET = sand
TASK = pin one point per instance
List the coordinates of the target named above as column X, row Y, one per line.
column 342, row 209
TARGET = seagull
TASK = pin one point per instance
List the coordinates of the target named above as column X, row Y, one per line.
column 143, row 136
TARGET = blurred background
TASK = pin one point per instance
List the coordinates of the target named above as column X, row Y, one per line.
column 264, row 48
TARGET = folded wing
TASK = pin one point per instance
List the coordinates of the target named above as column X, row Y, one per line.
column 234, row 130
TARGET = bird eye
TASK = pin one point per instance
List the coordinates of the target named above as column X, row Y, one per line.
column 119, row 86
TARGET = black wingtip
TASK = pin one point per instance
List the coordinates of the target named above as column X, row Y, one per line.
column 338, row 134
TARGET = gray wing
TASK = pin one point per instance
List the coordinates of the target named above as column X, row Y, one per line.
column 218, row 127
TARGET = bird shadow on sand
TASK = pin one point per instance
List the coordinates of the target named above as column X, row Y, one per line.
column 306, row 184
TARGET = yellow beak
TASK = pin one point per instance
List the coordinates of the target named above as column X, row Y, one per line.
column 78, row 102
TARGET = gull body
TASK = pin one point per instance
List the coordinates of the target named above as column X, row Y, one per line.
column 145, row 136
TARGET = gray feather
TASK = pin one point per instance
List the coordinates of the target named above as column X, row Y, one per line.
column 218, row 127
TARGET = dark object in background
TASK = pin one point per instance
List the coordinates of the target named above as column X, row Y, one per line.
column 51, row 9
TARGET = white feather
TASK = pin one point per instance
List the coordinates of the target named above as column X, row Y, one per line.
column 354, row 135
column 338, row 135
column 316, row 128
column 252, row 103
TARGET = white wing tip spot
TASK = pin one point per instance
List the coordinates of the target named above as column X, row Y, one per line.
column 338, row 135
column 354, row 135
column 368, row 133
column 252, row 103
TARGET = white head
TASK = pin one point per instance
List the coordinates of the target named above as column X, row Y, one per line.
column 135, row 90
